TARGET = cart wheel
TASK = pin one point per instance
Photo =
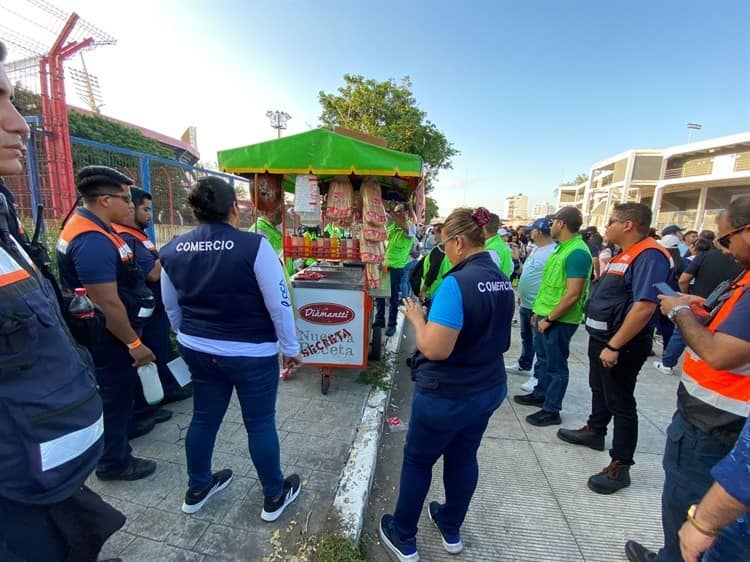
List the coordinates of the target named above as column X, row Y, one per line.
column 325, row 384
column 376, row 343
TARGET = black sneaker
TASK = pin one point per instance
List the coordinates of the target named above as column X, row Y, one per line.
column 636, row 552
column 273, row 508
column 451, row 543
column 543, row 418
column 528, row 400
column 390, row 330
column 139, row 428
column 612, row 478
column 162, row 414
column 179, row 394
column 137, row 469
column 195, row 500
column 404, row 551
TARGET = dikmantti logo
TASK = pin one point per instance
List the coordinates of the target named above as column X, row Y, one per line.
column 326, row 313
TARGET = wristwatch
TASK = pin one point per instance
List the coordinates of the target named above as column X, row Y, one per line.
column 672, row 314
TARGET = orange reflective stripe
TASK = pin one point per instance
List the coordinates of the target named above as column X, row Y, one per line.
column 620, row 263
column 727, row 389
column 137, row 234
column 78, row 225
column 13, row 277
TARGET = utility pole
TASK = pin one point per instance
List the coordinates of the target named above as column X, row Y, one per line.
column 278, row 120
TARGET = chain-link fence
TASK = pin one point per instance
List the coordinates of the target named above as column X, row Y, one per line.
column 168, row 181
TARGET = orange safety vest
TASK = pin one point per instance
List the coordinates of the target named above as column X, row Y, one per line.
column 78, row 225
column 728, row 390
column 620, row 263
column 137, row 234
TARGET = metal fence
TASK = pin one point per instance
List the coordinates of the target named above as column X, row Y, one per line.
column 168, row 182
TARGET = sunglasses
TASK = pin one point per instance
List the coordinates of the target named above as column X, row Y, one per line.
column 127, row 198
column 441, row 245
column 725, row 240
column 613, row 220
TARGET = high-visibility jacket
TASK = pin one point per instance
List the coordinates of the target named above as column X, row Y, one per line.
column 51, row 420
column 131, row 283
column 610, row 300
column 728, row 389
column 137, row 234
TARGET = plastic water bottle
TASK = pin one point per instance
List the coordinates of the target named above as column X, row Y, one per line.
column 81, row 306
column 152, row 389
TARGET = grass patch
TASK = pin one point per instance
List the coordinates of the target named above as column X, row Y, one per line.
column 377, row 374
column 336, row 548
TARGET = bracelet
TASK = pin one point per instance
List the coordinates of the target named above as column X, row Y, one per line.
column 612, row 348
column 135, row 343
column 548, row 319
column 694, row 523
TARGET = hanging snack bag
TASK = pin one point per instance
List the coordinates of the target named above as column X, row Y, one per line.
column 373, row 211
column 340, row 199
column 371, row 252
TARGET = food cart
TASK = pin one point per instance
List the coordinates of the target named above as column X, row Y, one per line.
column 333, row 296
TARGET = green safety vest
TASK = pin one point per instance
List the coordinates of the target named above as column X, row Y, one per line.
column 497, row 244
column 399, row 247
column 268, row 230
column 445, row 267
column 554, row 283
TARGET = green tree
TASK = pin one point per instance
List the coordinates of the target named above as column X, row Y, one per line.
column 431, row 209
column 388, row 110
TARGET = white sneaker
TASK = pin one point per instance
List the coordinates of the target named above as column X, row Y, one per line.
column 661, row 367
column 515, row 369
column 530, row 384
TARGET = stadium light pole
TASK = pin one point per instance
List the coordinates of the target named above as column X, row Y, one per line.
column 278, row 120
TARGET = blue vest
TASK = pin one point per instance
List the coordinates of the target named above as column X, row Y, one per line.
column 211, row 268
column 50, row 411
column 476, row 363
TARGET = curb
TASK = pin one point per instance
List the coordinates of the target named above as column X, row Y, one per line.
column 355, row 483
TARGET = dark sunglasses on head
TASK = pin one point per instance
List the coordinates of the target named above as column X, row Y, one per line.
column 725, row 240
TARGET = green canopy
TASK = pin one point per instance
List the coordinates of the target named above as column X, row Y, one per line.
column 320, row 152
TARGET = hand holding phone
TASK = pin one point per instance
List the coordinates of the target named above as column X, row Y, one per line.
column 666, row 290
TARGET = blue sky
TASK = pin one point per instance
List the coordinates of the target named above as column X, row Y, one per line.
column 530, row 92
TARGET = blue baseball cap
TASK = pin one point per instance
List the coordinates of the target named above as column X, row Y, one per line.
column 542, row 225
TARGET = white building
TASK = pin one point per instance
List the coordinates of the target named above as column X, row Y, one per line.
column 685, row 185
column 516, row 207
column 542, row 210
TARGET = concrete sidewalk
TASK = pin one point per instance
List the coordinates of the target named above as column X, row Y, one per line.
column 316, row 433
column 532, row 503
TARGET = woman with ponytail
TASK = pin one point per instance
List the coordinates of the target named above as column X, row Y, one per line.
column 460, row 381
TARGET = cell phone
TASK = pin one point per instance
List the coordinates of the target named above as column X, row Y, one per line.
column 665, row 289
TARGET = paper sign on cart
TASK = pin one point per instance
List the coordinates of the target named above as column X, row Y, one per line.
column 331, row 326
column 180, row 371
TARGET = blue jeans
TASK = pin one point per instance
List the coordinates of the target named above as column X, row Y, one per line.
column 531, row 344
column 674, row 349
column 733, row 542
column 554, row 381
column 214, row 378
column 453, row 429
column 405, row 285
column 689, row 456
column 395, row 277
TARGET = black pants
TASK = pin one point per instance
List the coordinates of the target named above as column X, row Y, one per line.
column 73, row 530
column 613, row 395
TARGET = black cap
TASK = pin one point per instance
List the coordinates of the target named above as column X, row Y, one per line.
column 571, row 216
column 90, row 178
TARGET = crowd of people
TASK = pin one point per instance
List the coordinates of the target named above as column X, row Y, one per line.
column 71, row 397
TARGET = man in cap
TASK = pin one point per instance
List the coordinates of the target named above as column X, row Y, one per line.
column 558, row 310
column 50, row 412
column 528, row 288
column 90, row 254
column 619, row 320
